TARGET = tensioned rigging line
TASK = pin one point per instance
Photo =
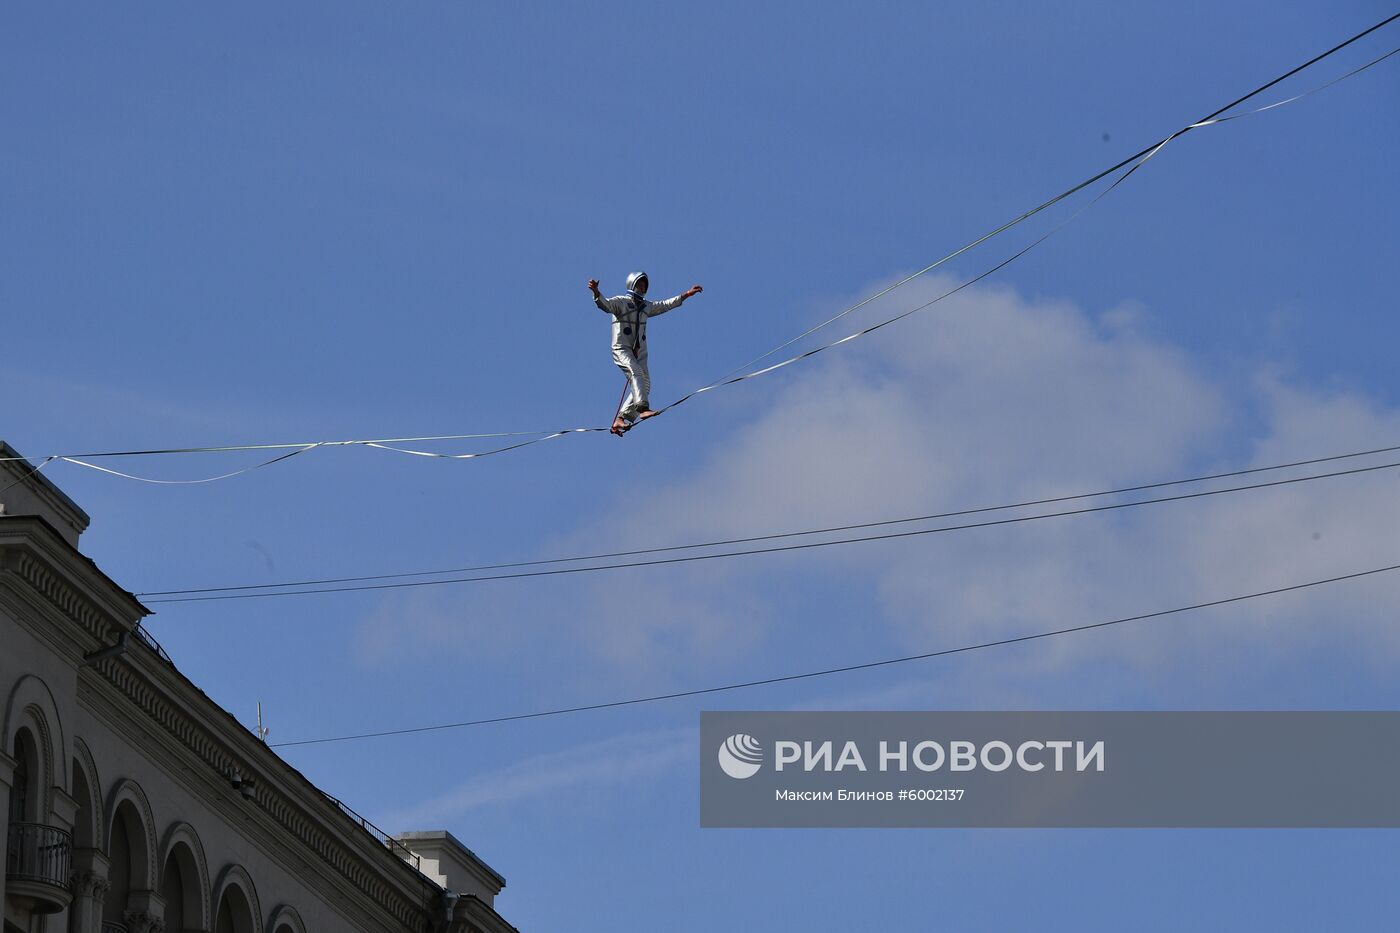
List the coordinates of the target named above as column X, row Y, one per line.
column 845, row 669
column 691, row 558
column 725, row 542
column 539, row 436
column 32, row 471
column 1145, row 155
column 1146, row 151
column 183, row 482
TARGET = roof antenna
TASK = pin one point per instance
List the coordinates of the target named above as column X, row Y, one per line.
column 262, row 730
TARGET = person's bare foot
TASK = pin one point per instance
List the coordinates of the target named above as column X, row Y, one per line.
column 619, row 427
column 647, row 413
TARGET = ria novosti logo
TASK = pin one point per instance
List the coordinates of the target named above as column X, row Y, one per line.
column 740, row 756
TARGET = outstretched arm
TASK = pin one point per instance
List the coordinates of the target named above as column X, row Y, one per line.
column 598, row 298
column 670, row 304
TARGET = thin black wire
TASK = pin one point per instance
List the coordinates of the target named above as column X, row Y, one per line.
column 725, row 542
column 33, row 471
column 806, row 675
column 1060, row 197
column 793, row 547
column 949, row 651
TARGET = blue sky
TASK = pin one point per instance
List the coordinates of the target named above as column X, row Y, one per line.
column 288, row 223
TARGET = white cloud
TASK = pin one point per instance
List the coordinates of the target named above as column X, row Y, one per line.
column 987, row 398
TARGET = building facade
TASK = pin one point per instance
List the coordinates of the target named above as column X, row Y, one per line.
column 132, row 803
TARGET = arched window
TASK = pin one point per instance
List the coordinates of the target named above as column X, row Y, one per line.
column 23, row 807
column 237, row 909
column 184, row 881
column 172, row 889
column 85, row 825
column 130, row 851
column 38, row 856
column 119, row 861
column 235, row 913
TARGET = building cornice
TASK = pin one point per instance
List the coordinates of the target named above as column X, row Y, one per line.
column 146, row 697
column 192, row 730
column 473, row 915
column 70, row 587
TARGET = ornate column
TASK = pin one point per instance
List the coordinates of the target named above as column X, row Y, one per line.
column 90, row 886
column 139, row 921
column 145, row 912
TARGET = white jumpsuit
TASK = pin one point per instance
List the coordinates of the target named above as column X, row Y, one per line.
column 629, row 344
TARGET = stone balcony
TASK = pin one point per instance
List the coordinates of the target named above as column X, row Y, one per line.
column 38, row 863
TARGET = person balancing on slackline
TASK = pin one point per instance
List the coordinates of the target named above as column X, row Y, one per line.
column 629, row 342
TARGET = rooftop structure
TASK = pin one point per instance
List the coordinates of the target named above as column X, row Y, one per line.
column 130, row 802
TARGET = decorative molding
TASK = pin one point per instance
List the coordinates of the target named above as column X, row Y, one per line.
column 128, row 791
column 178, row 723
column 64, row 597
column 7, row 766
column 31, row 704
column 145, row 911
column 175, row 713
column 82, row 758
column 184, row 835
column 91, row 884
column 140, row 921
column 236, row 876
column 285, row 918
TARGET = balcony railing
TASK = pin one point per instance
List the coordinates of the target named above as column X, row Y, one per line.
column 38, row 853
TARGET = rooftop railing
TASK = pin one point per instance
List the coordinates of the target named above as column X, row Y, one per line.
column 388, row 841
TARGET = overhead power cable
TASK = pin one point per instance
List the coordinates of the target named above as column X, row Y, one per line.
column 844, row 669
column 1131, row 163
column 751, row 539
column 691, row 558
